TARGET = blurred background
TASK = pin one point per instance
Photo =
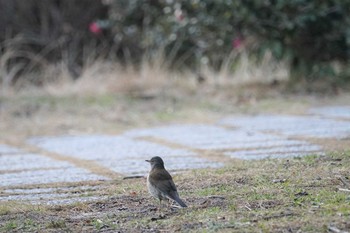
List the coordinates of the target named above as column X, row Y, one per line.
column 303, row 45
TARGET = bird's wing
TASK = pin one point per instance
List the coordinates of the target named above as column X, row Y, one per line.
column 162, row 180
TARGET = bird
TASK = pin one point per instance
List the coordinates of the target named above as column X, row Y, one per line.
column 160, row 184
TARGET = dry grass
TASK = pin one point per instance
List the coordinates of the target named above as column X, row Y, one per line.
column 101, row 76
column 296, row 195
column 248, row 72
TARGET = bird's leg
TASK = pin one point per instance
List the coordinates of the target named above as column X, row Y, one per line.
column 169, row 203
column 160, row 204
column 161, row 214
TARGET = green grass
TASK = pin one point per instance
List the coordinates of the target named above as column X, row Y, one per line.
column 10, row 225
column 27, row 225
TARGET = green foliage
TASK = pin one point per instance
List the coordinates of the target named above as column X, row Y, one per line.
column 310, row 34
column 189, row 32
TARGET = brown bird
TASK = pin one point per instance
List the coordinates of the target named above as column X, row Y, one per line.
column 160, row 183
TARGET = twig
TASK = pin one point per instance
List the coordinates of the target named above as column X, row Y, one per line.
column 345, row 190
column 279, row 181
column 278, row 216
column 247, row 207
column 132, row 177
column 176, row 206
column 336, row 230
column 216, row 196
column 347, row 184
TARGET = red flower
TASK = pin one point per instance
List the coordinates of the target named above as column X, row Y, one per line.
column 237, row 43
column 95, row 28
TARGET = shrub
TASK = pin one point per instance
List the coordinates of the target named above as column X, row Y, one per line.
column 310, row 34
column 34, row 32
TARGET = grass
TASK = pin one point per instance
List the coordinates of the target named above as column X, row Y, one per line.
column 241, row 197
column 109, row 98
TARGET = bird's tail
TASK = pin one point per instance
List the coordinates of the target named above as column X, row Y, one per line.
column 180, row 202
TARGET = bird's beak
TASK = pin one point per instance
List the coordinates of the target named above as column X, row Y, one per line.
column 148, row 161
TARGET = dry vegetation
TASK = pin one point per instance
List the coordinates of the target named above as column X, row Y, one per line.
column 111, row 97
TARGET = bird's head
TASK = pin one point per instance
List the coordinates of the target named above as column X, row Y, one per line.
column 156, row 162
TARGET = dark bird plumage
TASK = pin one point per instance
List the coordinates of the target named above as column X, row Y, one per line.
column 160, row 183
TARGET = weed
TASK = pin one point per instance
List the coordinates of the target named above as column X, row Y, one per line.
column 98, row 224
column 60, row 223
column 10, row 225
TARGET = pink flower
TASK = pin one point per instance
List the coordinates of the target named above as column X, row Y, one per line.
column 237, row 43
column 179, row 15
column 95, row 28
